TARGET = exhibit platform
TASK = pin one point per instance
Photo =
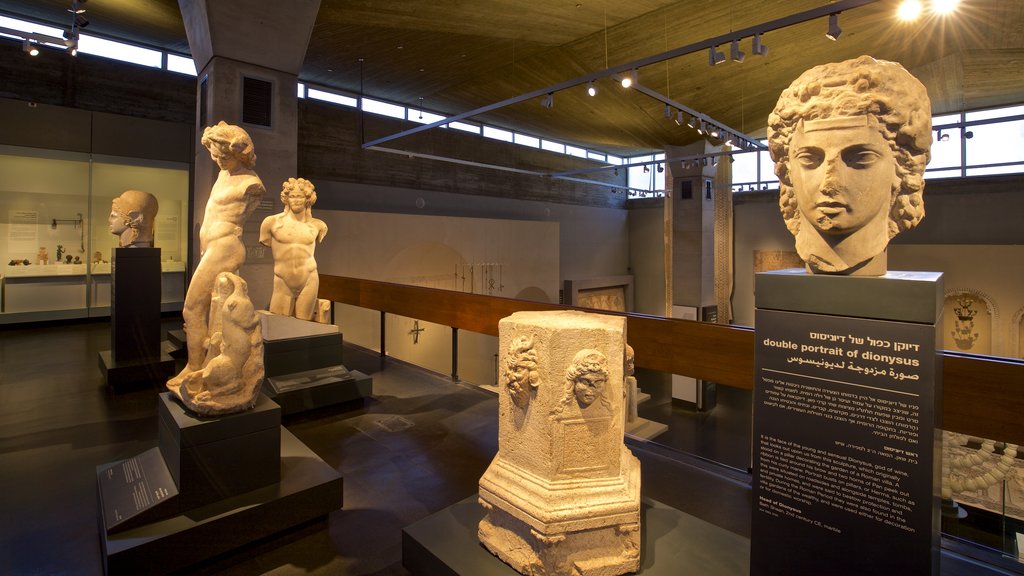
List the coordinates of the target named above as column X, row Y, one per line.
column 446, row 543
column 210, row 486
column 311, row 389
column 127, row 375
column 302, row 362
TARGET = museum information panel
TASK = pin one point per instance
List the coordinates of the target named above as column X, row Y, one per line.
column 844, row 446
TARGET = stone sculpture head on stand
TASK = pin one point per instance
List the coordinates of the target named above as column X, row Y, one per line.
column 521, row 370
column 850, row 142
column 132, row 216
column 587, row 375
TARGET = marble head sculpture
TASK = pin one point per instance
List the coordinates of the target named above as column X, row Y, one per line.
column 132, row 215
column 850, row 141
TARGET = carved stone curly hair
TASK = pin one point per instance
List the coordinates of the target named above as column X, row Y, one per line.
column 301, row 185
column 231, row 139
column 886, row 91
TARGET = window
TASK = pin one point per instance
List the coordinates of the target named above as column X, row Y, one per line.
column 183, row 65
column 120, row 51
column 524, row 140
column 464, row 127
column 383, row 108
column 497, row 134
column 315, row 94
column 552, row 146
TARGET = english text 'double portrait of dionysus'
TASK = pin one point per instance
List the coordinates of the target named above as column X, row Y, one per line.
column 132, row 216
column 587, row 376
column 850, row 141
column 521, row 374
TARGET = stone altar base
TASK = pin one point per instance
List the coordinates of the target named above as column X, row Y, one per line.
column 673, row 543
column 562, row 496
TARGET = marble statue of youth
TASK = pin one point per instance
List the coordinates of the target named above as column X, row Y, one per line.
column 234, row 196
column 292, row 236
column 850, row 141
column 132, row 218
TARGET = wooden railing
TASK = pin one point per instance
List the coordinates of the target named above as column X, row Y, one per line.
column 981, row 396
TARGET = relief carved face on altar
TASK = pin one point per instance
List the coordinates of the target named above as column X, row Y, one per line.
column 587, row 376
column 850, row 142
column 521, row 375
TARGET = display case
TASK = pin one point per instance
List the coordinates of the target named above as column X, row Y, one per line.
column 55, row 242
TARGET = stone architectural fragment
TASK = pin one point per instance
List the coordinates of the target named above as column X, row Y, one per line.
column 850, row 142
column 563, row 494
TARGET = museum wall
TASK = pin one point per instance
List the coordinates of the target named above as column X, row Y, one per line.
column 971, row 233
column 497, row 257
column 647, row 255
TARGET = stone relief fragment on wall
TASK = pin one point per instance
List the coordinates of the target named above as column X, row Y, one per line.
column 968, row 318
column 521, row 375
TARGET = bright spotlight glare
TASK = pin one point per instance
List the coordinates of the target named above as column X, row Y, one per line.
column 909, row 10
column 944, row 7
column 626, row 82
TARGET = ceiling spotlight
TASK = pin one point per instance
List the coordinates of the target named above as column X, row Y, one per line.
column 692, row 122
column 628, row 81
column 909, row 10
column 72, row 47
column 646, row 169
column 735, row 53
column 679, row 118
column 833, row 27
column 591, row 89
column 714, row 56
column 944, row 7
column 714, row 132
column 668, row 111
column 942, row 137
column 757, row 47
column 660, row 168
column 548, row 101
column 80, row 21
column 30, row 48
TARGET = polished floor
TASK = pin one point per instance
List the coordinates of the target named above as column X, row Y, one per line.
column 418, row 446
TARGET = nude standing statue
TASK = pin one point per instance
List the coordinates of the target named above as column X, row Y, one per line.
column 132, row 218
column 292, row 236
column 850, row 142
column 234, row 196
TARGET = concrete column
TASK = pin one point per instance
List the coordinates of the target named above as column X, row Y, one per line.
column 690, row 251
column 264, row 42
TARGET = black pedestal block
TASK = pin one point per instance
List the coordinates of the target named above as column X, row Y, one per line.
column 291, row 345
column 215, row 458
column 318, row 388
column 210, row 486
column 123, row 375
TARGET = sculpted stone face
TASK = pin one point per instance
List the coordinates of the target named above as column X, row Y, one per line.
column 588, row 387
column 850, row 141
column 843, row 173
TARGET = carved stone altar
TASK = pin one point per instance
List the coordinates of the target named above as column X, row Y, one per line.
column 563, row 494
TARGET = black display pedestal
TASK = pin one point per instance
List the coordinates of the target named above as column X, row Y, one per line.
column 847, row 401
column 302, row 363
column 135, row 356
column 672, row 543
column 212, row 485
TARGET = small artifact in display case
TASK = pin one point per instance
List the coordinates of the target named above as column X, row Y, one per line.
column 43, row 257
column 97, row 258
column 67, row 259
column 77, row 260
column 60, row 252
